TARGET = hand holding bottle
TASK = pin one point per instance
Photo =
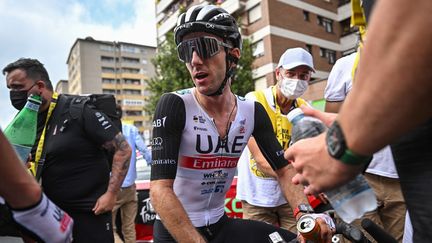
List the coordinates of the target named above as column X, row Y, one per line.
column 352, row 199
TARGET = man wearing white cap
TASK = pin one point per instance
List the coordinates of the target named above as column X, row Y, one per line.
column 257, row 187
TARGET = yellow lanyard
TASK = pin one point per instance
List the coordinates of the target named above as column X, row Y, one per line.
column 42, row 137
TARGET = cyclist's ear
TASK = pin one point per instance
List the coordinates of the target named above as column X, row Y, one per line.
column 235, row 52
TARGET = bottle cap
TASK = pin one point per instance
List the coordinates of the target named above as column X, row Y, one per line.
column 35, row 98
column 294, row 113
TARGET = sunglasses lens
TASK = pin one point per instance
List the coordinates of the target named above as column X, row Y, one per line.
column 205, row 47
column 184, row 52
column 212, row 46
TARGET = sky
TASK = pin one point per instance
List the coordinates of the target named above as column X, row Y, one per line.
column 47, row 29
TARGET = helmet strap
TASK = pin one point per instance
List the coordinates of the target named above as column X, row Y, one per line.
column 228, row 74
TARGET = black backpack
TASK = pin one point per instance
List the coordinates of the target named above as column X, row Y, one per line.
column 105, row 103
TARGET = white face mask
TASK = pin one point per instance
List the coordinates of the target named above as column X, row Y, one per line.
column 293, row 88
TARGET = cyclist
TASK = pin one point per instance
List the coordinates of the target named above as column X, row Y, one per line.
column 36, row 215
column 199, row 135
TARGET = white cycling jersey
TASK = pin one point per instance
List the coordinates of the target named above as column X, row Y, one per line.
column 204, row 165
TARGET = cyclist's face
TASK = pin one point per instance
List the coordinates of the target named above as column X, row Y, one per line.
column 207, row 72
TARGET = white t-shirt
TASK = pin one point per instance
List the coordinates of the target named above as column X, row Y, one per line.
column 339, row 84
column 256, row 190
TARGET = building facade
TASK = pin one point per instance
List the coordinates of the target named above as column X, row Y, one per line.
column 62, row 87
column 116, row 68
column 322, row 27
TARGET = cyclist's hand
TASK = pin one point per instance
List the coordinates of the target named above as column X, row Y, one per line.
column 326, row 225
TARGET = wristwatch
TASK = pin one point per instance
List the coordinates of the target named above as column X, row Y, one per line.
column 338, row 149
column 303, row 208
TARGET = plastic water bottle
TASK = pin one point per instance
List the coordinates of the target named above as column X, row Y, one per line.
column 21, row 132
column 351, row 200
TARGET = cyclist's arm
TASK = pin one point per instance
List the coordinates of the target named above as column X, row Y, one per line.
column 168, row 124
column 21, row 181
column 259, row 158
column 273, row 153
column 34, row 213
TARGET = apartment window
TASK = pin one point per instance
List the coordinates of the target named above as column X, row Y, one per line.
column 133, row 113
column 108, row 81
column 130, row 70
column 130, row 60
column 107, row 59
column 326, row 23
column 306, row 15
column 258, row 49
column 346, row 27
column 254, row 13
column 138, row 123
column 329, row 54
column 144, row 61
column 319, row 20
column 108, row 70
column 132, row 81
column 106, row 48
column 109, row 91
column 309, row 48
column 129, row 48
column 131, row 92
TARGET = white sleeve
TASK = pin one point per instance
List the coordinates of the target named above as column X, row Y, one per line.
column 339, row 81
column 45, row 221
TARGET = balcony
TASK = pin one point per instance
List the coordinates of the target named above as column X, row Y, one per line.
column 169, row 24
column 162, row 5
column 232, row 6
column 349, row 41
column 344, row 11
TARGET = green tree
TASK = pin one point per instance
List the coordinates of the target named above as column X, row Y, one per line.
column 243, row 82
column 171, row 74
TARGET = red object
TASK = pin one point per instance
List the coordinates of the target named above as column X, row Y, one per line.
column 146, row 215
column 314, row 201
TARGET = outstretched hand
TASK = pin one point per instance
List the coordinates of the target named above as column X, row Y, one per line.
column 316, row 169
column 326, row 117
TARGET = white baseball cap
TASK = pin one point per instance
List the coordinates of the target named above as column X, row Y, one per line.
column 295, row 57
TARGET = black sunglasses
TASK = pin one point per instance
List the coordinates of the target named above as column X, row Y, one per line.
column 205, row 47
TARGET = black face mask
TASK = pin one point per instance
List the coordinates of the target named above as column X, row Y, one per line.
column 18, row 98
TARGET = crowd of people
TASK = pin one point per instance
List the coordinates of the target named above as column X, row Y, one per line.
column 207, row 131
